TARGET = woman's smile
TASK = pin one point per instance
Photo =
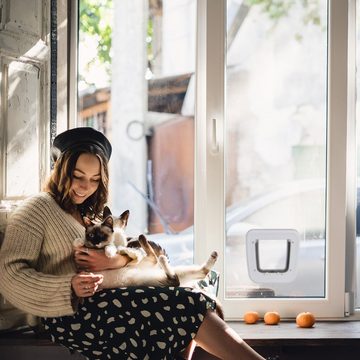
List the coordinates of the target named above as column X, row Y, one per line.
column 78, row 194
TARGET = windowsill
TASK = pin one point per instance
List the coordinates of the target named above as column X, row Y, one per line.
column 354, row 317
column 337, row 333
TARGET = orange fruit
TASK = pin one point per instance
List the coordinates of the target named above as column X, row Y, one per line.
column 305, row 319
column 251, row 317
column 272, row 318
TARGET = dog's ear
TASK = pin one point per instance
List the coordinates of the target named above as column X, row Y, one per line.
column 108, row 221
column 106, row 212
column 124, row 217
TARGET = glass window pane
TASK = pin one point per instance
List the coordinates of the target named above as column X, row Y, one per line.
column 276, row 262
column 136, row 86
column 276, row 140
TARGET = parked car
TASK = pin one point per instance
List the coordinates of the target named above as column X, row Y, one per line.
column 299, row 205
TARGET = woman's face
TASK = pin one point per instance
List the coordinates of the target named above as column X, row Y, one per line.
column 86, row 178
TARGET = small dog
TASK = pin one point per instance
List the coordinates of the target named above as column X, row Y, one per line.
column 149, row 265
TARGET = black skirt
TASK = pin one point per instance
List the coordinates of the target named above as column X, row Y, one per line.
column 132, row 323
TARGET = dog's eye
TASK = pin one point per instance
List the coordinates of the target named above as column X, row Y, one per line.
column 91, row 236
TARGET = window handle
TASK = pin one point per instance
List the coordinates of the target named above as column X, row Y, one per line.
column 214, row 139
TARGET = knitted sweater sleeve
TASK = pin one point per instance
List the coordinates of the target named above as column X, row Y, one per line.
column 22, row 283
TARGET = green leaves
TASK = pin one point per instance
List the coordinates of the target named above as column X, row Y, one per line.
column 95, row 19
column 277, row 9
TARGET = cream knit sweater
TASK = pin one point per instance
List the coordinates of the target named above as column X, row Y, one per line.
column 36, row 258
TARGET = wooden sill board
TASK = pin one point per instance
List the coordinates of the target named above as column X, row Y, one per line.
column 337, row 333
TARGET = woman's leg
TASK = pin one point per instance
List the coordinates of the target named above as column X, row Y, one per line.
column 217, row 338
column 201, row 354
column 188, row 352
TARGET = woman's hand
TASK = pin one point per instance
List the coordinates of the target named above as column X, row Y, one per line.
column 86, row 284
column 96, row 260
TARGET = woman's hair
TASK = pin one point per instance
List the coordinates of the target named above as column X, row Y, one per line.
column 61, row 179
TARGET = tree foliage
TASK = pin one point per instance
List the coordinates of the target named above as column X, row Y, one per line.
column 277, row 9
column 95, row 20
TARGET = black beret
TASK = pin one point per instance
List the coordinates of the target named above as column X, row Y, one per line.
column 73, row 138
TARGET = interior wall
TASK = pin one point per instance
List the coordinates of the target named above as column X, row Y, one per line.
column 24, row 71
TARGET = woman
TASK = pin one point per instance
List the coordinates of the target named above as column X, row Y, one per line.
column 40, row 274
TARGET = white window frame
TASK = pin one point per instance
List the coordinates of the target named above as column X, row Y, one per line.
column 210, row 149
column 210, row 155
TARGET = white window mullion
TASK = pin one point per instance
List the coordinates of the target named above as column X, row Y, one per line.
column 336, row 173
column 209, row 118
column 351, row 181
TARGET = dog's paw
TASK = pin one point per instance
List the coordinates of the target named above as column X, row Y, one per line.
column 110, row 251
column 78, row 242
column 135, row 254
column 163, row 261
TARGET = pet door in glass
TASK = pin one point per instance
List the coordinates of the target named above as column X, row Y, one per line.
column 272, row 255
